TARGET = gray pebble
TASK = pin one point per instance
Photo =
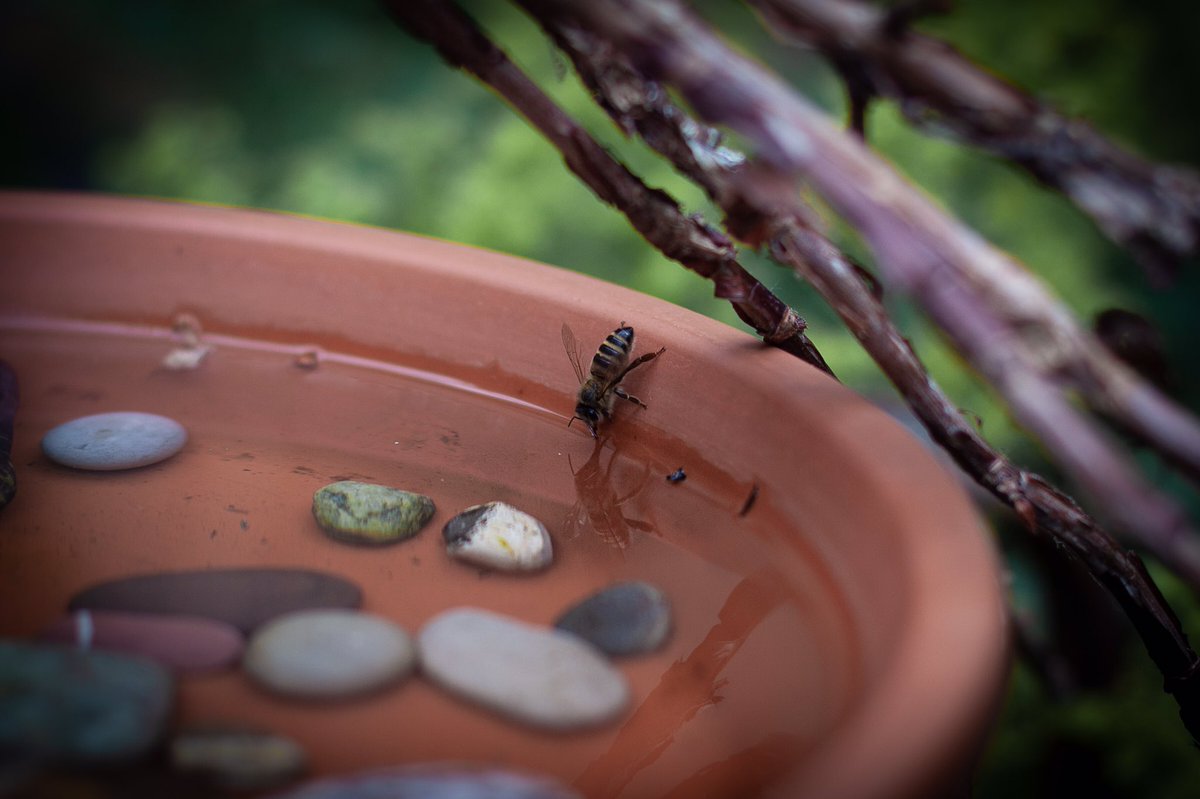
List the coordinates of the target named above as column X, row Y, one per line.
column 498, row 536
column 112, row 441
column 365, row 513
column 433, row 782
column 61, row 704
column 237, row 759
column 537, row 675
column 623, row 619
column 329, row 654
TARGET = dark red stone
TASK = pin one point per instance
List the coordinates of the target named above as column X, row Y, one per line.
column 245, row 598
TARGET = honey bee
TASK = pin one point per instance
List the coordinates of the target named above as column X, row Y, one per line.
column 610, row 364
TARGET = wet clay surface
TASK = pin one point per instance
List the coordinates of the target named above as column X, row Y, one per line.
column 754, row 640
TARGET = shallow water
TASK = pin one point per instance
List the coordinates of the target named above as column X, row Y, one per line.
column 762, row 660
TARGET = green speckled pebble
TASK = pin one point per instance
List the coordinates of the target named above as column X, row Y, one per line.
column 364, row 513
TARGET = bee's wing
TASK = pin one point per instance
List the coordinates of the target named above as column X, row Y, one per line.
column 572, row 348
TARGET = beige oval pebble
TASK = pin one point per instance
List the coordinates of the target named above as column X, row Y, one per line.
column 538, row 675
column 329, row 654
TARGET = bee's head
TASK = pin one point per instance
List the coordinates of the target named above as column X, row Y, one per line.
column 588, row 415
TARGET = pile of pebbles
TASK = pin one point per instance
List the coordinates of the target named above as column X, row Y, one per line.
column 300, row 635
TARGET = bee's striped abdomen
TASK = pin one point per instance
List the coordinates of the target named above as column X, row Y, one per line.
column 613, row 354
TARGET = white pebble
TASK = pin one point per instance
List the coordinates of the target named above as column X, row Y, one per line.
column 329, row 654
column 499, row 536
column 111, row 441
column 536, row 675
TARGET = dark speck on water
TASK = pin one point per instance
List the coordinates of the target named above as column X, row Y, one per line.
column 750, row 500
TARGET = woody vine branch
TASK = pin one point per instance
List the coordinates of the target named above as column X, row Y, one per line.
column 759, row 212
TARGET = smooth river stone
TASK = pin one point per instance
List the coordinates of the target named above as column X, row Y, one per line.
column 186, row 643
column 365, row 513
column 498, row 536
column 245, row 598
column 623, row 619
column 112, row 441
column 433, row 782
column 237, row 759
column 537, row 675
column 61, row 704
column 329, row 654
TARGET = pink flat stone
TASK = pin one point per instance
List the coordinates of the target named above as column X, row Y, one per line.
column 186, row 643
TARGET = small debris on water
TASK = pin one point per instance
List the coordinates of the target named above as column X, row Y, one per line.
column 186, row 327
column 182, row 359
column 191, row 351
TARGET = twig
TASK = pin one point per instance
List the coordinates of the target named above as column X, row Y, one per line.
column 1152, row 210
column 637, row 104
column 995, row 312
column 686, row 239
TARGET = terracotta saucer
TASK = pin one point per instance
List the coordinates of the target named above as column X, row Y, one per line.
column 841, row 634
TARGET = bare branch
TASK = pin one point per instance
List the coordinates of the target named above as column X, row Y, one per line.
column 995, row 312
column 1152, row 210
column 686, row 239
column 639, row 105
column 699, row 153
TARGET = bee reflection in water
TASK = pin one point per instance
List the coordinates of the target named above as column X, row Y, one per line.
column 598, row 504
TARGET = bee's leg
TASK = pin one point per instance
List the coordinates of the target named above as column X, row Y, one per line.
column 620, row 392
column 636, row 362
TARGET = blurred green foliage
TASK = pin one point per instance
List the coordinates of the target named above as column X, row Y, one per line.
column 326, row 109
